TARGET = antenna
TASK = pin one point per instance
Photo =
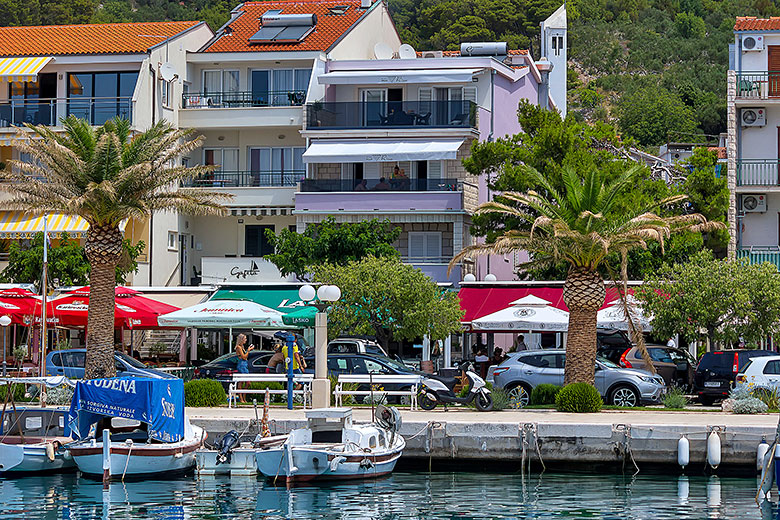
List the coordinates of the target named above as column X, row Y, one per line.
column 382, row 51
column 167, row 71
column 407, row 52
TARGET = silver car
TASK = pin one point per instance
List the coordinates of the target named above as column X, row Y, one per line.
column 522, row 371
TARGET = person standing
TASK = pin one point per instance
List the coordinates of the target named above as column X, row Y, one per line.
column 299, row 365
column 671, row 343
column 243, row 360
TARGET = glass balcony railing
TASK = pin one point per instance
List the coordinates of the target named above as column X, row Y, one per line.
column 376, row 185
column 758, row 85
column 248, row 179
column 281, row 98
column 96, row 110
column 391, row 114
column 758, row 172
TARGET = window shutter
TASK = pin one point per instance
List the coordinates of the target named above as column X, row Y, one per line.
column 425, row 95
column 416, row 246
column 434, row 169
column 433, row 246
column 371, row 170
column 470, row 94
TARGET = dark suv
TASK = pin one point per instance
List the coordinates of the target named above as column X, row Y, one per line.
column 612, row 343
column 717, row 371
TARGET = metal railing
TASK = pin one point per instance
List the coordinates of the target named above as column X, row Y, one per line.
column 241, row 179
column 426, row 260
column 270, row 98
column 758, row 85
column 757, row 172
column 374, row 185
column 96, row 110
column 761, row 254
column 391, row 114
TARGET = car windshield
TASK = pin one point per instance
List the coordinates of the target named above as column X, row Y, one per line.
column 606, row 362
column 392, row 363
column 130, row 361
column 223, row 357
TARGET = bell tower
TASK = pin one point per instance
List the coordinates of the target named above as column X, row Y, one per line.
column 554, row 45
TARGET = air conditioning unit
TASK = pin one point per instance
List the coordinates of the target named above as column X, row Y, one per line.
column 432, row 54
column 753, row 116
column 752, row 43
column 754, row 203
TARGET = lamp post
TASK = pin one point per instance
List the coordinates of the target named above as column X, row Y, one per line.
column 325, row 296
column 5, row 321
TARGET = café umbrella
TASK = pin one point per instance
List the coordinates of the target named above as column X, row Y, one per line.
column 217, row 314
column 614, row 317
column 529, row 313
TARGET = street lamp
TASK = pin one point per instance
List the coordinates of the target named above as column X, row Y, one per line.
column 4, row 322
column 326, row 295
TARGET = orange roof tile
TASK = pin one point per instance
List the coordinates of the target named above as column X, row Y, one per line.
column 751, row 23
column 106, row 38
column 721, row 151
column 330, row 27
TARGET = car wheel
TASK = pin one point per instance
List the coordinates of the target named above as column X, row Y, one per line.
column 706, row 400
column 624, row 396
column 519, row 397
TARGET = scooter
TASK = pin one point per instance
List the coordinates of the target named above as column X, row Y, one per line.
column 438, row 389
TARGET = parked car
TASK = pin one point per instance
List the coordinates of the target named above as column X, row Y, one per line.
column 522, row 371
column 350, row 346
column 70, row 363
column 760, row 372
column 612, row 343
column 223, row 368
column 675, row 365
column 717, row 371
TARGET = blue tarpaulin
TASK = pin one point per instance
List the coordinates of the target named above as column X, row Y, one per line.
column 156, row 402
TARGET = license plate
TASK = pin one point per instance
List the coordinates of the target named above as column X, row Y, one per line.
column 712, row 384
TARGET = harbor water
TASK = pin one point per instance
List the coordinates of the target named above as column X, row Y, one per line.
column 404, row 495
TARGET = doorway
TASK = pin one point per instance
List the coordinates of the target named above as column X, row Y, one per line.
column 773, row 67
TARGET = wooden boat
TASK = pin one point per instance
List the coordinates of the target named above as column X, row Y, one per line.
column 331, row 448
column 148, row 433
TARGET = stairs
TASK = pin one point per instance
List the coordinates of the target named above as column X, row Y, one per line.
column 158, row 342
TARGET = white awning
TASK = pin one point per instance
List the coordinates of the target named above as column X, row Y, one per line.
column 383, row 77
column 362, row 150
column 22, row 69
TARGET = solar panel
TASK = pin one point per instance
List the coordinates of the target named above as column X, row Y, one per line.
column 266, row 34
column 294, row 33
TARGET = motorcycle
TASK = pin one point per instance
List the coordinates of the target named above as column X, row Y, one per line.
column 439, row 389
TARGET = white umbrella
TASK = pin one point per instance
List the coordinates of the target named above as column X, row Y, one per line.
column 217, row 314
column 614, row 317
column 528, row 313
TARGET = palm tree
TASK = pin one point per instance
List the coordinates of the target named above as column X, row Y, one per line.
column 105, row 175
column 578, row 227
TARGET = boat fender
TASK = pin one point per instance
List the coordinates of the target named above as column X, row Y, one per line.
column 50, row 451
column 683, row 452
column 763, row 447
column 366, row 463
column 767, row 480
column 334, row 463
column 713, row 450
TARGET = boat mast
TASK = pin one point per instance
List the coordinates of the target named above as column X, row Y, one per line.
column 44, row 290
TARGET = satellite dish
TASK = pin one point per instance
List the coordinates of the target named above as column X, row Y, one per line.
column 382, row 51
column 167, row 71
column 407, row 52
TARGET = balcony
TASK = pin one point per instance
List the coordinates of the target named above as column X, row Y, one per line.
column 435, row 268
column 96, row 110
column 390, row 115
column 760, row 85
column 331, row 185
column 761, row 254
column 282, row 98
column 230, row 110
column 757, row 172
column 249, row 179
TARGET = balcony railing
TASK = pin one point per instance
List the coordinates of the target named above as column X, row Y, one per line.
column 761, row 254
column 281, row 98
column 758, row 85
column 391, row 114
column 96, row 110
column 249, row 179
column 375, row 185
column 757, row 172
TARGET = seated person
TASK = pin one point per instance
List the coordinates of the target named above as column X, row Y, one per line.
column 361, row 186
column 382, row 185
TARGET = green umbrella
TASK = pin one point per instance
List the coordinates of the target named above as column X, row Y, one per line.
column 302, row 317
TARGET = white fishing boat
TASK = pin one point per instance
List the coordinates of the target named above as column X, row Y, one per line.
column 149, row 435
column 331, row 447
column 32, row 439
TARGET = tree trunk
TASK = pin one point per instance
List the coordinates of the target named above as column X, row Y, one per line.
column 103, row 249
column 584, row 294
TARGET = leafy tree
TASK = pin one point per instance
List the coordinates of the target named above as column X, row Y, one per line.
column 714, row 301
column 67, row 262
column 105, row 175
column 649, row 115
column 390, row 300
column 331, row 243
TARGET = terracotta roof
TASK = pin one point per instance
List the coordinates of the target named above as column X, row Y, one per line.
column 330, row 26
column 721, row 150
column 456, row 54
column 751, row 23
column 105, row 38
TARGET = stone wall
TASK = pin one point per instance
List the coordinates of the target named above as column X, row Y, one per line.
column 330, row 171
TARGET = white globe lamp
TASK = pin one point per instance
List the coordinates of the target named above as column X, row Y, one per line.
column 322, row 293
column 5, row 321
column 333, row 293
column 307, row 293
column 490, row 277
column 469, row 278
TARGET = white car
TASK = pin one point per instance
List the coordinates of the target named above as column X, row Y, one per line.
column 761, row 372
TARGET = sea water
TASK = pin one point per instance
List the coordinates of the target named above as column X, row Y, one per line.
column 404, row 495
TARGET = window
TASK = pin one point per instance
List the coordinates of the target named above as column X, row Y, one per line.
column 424, row 247
column 99, row 96
column 74, row 359
column 276, row 166
column 772, row 368
column 659, row 354
column 33, row 100
column 220, row 86
column 342, row 348
column 255, row 242
column 337, row 365
column 543, row 360
column 173, row 241
column 226, row 162
column 165, row 94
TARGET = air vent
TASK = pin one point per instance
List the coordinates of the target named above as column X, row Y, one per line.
column 278, row 27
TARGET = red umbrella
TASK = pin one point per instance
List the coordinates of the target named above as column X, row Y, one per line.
column 17, row 303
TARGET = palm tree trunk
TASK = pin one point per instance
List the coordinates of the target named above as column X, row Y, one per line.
column 103, row 248
column 584, row 294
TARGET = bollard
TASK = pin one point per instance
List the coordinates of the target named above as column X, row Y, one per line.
column 290, row 360
column 106, row 457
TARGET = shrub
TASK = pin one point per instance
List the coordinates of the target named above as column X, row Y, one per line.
column 750, row 405
column 204, row 392
column 769, row 396
column 18, row 392
column 346, row 400
column 544, row 394
column 271, row 385
column 578, row 398
column 740, row 392
column 675, row 399
column 62, row 395
column 501, row 399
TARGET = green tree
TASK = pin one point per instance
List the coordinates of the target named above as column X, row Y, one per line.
column 67, row 262
column 714, row 301
column 105, row 175
column 390, row 300
column 650, row 114
column 331, row 243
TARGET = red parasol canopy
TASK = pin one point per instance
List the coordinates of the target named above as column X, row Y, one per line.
column 16, row 303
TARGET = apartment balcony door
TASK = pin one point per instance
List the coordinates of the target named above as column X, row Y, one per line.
column 374, row 106
column 773, row 67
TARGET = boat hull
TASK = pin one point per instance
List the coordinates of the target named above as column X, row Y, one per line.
column 242, row 462
column 310, row 463
column 32, row 458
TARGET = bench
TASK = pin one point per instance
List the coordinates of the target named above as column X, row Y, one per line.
column 365, row 379
column 304, row 380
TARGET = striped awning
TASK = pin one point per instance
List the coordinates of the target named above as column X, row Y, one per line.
column 22, row 69
column 15, row 224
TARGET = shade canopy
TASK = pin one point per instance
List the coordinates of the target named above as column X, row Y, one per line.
column 22, row 68
column 303, row 317
column 376, row 150
column 614, row 316
column 17, row 303
column 397, row 77
column 219, row 314
column 529, row 313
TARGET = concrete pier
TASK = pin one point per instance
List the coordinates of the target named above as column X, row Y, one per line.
column 610, row 437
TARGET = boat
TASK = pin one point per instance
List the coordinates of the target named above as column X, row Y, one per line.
column 32, row 438
column 149, row 435
column 234, row 459
column 332, row 448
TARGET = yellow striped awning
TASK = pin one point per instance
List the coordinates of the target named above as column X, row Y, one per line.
column 22, row 69
column 16, row 224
